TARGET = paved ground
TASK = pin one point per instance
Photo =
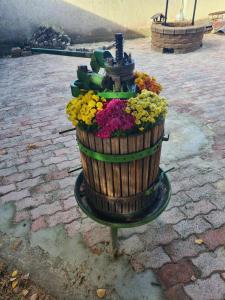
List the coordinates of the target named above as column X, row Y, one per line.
column 44, row 232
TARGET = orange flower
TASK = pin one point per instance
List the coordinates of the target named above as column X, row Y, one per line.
column 144, row 81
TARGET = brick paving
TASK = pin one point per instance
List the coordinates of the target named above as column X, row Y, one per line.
column 34, row 161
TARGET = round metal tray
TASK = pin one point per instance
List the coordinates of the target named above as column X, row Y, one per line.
column 149, row 215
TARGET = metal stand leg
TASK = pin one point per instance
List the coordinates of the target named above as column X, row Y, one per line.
column 114, row 244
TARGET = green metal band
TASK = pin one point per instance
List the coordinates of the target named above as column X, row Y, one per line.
column 117, row 95
column 148, row 217
column 120, row 158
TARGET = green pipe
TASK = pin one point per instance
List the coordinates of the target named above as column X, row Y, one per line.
column 96, row 79
column 87, row 54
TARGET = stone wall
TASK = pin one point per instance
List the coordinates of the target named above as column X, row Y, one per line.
column 89, row 20
column 176, row 39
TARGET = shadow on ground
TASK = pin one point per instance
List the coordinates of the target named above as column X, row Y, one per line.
column 66, row 268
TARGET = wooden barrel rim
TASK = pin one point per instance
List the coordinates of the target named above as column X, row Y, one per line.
column 136, row 134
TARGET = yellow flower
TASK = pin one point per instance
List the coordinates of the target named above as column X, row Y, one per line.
column 75, row 122
column 146, row 107
column 95, row 97
column 99, row 105
column 93, row 111
column 91, row 103
column 83, row 108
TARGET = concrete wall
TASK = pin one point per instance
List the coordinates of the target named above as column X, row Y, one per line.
column 89, row 19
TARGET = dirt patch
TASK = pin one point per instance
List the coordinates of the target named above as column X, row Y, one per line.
column 14, row 285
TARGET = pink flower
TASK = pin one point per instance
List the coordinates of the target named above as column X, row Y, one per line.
column 113, row 117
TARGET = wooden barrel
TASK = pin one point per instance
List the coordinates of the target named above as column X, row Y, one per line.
column 119, row 187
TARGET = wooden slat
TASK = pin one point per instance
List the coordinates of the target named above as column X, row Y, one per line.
column 222, row 12
column 111, row 206
column 101, row 166
column 89, row 162
column 85, row 167
column 139, row 164
column 147, row 143
column 115, row 146
column 156, row 167
column 152, row 158
column 158, row 153
column 91, row 140
column 108, row 168
column 83, row 157
column 82, row 135
column 124, row 168
column 105, row 207
column 131, row 165
column 125, row 207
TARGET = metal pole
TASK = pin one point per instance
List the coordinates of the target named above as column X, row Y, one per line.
column 193, row 18
column 114, row 231
column 67, row 130
column 74, row 170
column 87, row 54
column 167, row 3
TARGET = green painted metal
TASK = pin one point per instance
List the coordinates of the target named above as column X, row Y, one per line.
column 93, row 80
column 147, row 218
column 89, row 80
column 117, row 95
column 86, row 81
column 114, row 240
column 75, row 90
column 86, row 54
column 119, row 158
column 98, row 57
column 96, row 79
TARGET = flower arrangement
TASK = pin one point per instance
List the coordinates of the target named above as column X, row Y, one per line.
column 113, row 117
column 146, row 108
column 145, row 82
column 82, row 109
column 119, row 117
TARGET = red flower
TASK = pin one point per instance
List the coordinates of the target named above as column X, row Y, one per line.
column 113, row 117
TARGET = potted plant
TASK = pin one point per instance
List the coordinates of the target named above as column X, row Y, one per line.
column 120, row 145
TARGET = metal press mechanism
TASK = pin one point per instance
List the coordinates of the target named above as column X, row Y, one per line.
column 116, row 80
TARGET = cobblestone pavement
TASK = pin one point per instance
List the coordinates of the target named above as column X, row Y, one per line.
column 185, row 246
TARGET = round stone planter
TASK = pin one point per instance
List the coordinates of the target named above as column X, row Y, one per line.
column 174, row 38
